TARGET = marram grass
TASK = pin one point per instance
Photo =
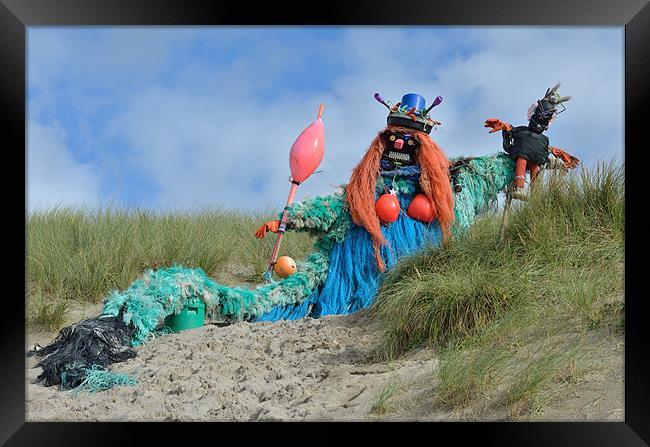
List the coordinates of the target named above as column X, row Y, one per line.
column 80, row 254
column 508, row 318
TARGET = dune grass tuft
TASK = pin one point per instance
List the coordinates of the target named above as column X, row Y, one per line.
column 48, row 315
column 508, row 318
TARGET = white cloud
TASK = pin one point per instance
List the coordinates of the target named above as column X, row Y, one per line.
column 54, row 177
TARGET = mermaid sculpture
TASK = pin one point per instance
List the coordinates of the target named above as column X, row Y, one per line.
column 399, row 200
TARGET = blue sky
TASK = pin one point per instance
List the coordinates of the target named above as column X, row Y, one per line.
column 169, row 118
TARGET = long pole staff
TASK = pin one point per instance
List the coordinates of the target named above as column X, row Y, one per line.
column 506, row 213
column 285, row 216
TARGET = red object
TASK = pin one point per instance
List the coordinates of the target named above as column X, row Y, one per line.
column 569, row 160
column 496, row 124
column 398, row 144
column 307, row 151
column 521, row 165
column 387, row 208
column 272, row 225
column 421, row 209
column 284, row 267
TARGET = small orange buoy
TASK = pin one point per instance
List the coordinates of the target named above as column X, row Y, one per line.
column 284, row 266
column 387, row 208
column 421, row 209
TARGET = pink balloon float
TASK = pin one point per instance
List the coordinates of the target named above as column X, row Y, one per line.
column 307, row 151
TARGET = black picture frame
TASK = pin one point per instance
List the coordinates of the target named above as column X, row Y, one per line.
column 634, row 15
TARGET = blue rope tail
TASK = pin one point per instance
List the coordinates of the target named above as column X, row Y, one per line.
column 288, row 312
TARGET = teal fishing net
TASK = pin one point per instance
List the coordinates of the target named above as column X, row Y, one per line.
column 98, row 379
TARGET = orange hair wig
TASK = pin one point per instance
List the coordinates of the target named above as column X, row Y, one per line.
column 434, row 181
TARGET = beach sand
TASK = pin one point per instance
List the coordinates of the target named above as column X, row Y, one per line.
column 309, row 369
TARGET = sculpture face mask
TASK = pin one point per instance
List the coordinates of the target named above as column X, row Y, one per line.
column 399, row 149
column 542, row 116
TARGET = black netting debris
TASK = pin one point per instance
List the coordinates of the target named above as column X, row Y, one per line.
column 84, row 346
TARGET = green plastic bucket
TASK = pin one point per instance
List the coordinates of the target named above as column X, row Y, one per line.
column 190, row 317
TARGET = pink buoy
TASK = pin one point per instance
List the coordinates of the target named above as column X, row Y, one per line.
column 307, row 151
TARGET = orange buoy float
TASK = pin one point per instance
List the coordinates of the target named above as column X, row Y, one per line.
column 284, row 267
column 387, row 208
column 422, row 209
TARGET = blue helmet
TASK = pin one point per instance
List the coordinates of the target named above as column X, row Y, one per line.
column 411, row 112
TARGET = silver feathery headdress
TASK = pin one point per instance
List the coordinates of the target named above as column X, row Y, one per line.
column 553, row 95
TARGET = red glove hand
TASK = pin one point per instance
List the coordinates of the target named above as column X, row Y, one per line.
column 569, row 160
column 496, row 125
column 271, row 225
